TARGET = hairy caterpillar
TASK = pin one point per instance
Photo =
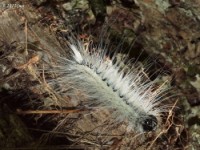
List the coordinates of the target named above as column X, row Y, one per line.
column 105, row 83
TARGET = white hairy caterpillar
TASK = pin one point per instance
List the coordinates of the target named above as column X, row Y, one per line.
column 106, row 84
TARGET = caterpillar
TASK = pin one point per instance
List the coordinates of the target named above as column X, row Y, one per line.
column 105, row 83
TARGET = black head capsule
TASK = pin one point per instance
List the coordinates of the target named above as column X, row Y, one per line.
column 150, row 123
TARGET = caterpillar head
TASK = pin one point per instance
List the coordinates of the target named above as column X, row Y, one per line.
column 149, row 123
column 146, row 123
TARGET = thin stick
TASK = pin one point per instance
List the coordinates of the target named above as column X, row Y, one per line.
column 170, row 115
column 27, row 112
